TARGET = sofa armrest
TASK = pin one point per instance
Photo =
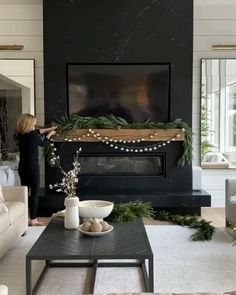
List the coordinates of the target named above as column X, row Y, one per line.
column 230, row 188
column 230, row 200
column 15, row 193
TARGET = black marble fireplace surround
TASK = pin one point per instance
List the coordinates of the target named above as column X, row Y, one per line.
column 113, row 32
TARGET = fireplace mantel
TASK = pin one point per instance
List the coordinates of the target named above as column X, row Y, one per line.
column 94, row 135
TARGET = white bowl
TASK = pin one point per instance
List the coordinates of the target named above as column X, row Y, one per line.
column 95, row 234
column 95, row 208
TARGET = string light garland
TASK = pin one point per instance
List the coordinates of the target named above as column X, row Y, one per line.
column 117, row 133
column 126, row 145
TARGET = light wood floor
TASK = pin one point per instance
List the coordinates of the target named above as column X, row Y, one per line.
column 215, row 215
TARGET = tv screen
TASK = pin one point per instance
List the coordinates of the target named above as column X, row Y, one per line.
column 136, row 92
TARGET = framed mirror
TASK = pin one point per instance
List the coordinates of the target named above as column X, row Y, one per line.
column 17, row 95
column 218, row 113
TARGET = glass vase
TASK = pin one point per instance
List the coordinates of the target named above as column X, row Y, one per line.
column 71, row 220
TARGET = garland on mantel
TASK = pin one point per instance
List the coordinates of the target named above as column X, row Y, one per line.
column 66, row 124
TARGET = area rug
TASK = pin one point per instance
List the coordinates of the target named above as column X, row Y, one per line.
column 180, row 266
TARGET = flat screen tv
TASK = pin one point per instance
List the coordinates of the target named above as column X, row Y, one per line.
column 135, row 92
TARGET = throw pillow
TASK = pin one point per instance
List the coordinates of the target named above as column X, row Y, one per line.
column 7, row 176
column 214, row 157
column 3, row 207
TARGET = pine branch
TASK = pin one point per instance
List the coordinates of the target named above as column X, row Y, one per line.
column 129, row 211
column 204, row 230
column 66, row 124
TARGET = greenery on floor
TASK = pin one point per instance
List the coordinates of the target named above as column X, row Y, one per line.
column 129, row 211
column 204, row 230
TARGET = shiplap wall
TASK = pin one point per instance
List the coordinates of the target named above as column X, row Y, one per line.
column 21, row 22
column 214, row 23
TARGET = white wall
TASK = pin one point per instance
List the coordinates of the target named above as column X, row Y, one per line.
column 21, row 73
column 214, row 23
column 21, row 22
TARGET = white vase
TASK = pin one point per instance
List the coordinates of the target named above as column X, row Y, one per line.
column 71, row 220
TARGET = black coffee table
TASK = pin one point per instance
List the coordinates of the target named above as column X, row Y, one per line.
column 128, row 240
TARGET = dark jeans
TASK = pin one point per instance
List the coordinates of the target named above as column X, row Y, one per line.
column 29, row 176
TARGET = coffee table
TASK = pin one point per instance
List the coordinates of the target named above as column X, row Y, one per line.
column 128, row 240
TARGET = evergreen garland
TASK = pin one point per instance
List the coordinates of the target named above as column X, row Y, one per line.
column 204, row 230
column 130, row 211
column 66, row 124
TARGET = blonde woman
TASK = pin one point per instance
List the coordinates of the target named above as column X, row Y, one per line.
column 29, row 140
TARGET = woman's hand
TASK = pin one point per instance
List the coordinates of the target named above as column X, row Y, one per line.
column 52, row 128
column 51, row 133
column 47, row 130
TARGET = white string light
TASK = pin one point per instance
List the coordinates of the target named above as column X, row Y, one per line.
column 124, row 144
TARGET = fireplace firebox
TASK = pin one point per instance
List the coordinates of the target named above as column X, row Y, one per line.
column 119, row 164
column 106, row 171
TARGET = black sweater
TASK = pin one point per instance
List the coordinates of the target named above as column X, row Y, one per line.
column 28, row 146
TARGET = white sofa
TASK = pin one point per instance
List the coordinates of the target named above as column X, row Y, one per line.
column 184, row 293
column 3, row 290
column 14, row 223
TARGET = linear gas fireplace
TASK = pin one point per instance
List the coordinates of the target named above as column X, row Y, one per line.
column 109, row 172
column 126, row 165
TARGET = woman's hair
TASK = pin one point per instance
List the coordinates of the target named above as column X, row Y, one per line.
column 25, row 123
